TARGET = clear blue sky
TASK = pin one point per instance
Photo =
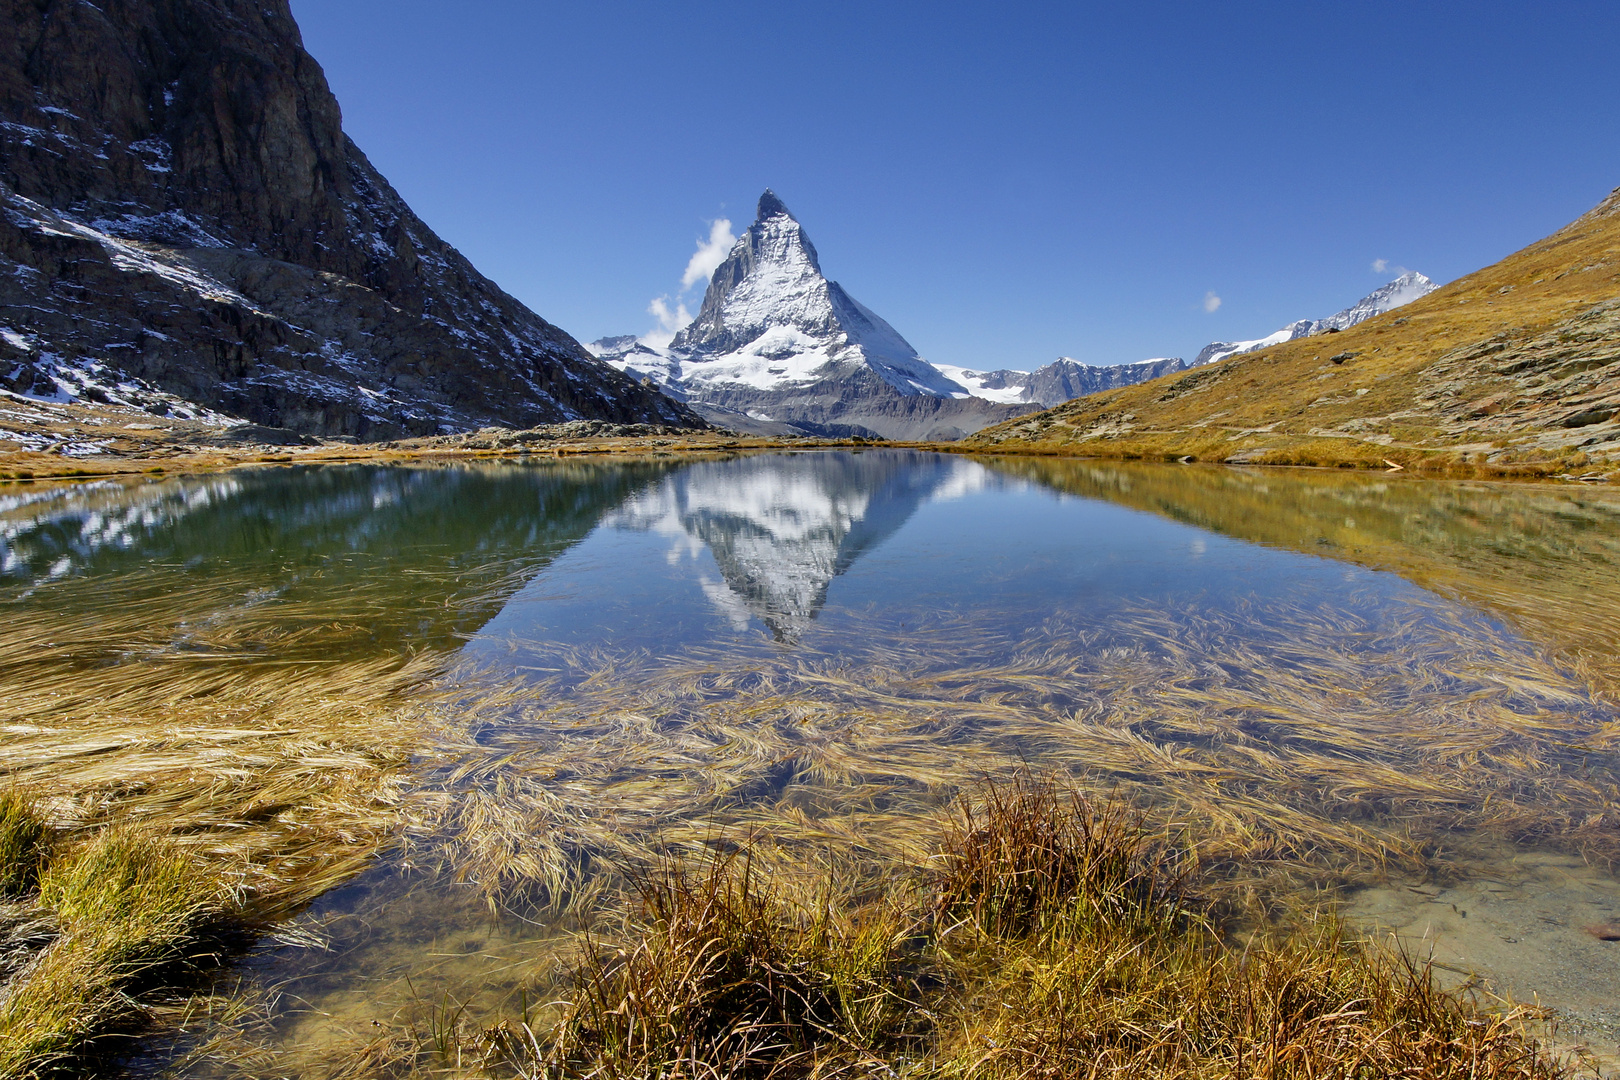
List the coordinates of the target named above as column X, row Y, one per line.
column 1004, row 182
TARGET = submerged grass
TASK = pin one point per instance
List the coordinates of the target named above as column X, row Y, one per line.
column 1307, row 747
column 1051, row 936
column 258, row 761
column 179, row 787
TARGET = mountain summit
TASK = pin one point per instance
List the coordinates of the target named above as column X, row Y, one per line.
column 771, row 319
column 775, row 342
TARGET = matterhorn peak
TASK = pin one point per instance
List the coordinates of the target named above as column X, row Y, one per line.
column 770, row 206
column 777, row 343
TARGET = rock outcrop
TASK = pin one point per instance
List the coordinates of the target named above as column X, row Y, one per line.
column 182, row 216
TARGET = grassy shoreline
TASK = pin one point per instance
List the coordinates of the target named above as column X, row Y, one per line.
column 18, row 469
column 1050, row 935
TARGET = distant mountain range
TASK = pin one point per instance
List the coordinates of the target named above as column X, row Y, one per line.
column 186, row 231
column 1403, row 290
column 1066, row 379
column 1514, row 367
column 777, row 347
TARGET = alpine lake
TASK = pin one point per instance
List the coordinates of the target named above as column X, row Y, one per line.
column 442, row 706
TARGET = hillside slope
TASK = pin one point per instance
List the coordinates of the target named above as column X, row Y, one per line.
column 183, row 222
column 1515, row 367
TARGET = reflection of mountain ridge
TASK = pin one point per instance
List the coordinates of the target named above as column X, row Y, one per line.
column 781, row 527
column 1546, row 558
column 408, row 556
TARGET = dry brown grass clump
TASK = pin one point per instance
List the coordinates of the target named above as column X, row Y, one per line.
column 1054, row 938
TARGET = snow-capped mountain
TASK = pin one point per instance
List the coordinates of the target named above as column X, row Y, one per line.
column 1403, row 290
column 1062, row 380
column 776, row 342
column 777, row 347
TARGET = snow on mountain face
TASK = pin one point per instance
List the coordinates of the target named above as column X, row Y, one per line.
column 770, row 318
column 1403, row 290
column 1062, row 380
column 775, row 342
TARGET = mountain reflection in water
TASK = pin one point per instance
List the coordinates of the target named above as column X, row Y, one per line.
column 780, row 528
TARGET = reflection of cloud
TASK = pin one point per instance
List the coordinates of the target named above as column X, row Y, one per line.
column 781, row 528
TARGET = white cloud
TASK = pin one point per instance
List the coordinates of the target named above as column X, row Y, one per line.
column 671, row 312
column 709, row 254
column 669, row 322
column 1380, row 265
column 1211, row 302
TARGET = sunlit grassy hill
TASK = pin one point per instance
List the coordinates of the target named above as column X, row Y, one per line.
column 1515, row 367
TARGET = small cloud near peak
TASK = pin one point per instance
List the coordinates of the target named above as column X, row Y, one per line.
column 710, row 254
column 1211, row 302
column 1380, row 265
column 671, row 312
column 670, row 322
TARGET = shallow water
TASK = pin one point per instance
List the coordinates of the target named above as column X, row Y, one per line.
column 827, row 646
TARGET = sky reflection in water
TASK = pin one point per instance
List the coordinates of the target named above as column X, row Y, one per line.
column 788, row 545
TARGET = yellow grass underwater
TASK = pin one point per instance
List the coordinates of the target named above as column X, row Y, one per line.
column 953, row 849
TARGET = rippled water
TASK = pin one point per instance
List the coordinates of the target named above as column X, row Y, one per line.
column 1339, row 622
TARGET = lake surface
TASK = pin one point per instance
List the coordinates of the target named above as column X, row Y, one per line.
column 1337, row 674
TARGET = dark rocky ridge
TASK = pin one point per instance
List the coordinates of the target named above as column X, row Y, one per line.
column 181, row 210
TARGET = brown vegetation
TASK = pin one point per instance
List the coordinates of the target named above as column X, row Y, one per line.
column 1054, row 938
column 1513, row 370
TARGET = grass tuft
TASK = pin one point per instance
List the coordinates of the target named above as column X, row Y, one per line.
column 1056, row 938
column 723, row 969
column 1032, row 851
column 24, row 841
column 129, row 910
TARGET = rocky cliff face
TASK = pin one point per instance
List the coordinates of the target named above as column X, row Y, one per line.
column 777, row 343
column 182, row 215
